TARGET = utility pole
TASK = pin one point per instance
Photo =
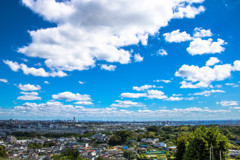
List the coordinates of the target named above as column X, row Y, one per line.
column 220, row 155
column 211, row 152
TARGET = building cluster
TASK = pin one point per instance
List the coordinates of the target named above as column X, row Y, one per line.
column 88, row 147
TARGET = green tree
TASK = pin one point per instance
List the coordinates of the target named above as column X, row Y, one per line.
column 153, row 128
column 128, row 155
column 181, row 143
column 99, row 158
column 143, row 156
column 34, row 145
column 3, row 152
column 72, row 153
column 205, row 142
column 115, row 140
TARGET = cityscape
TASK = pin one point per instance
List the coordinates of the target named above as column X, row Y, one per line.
column 93, row 139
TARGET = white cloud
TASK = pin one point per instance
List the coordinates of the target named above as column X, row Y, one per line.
column 228, row 103
column 126, row 104
column 29, row 87
column 29, row 93
column 199, row 46
column 13, row 65
column 212, row 61
column 108, row 67
column 81, row 82
column 235, row 108
column 199, row 32
column 156, row 94
column 176, row 95
column 55, row 109
column 133, row 95
column 177, row 36
column 4, row 80
column 33, row 71
column 208, row 93
column 151, row 94
column 46, row 82
column 185, row 84
column 165, row 81
column 69, row 96
column 83, row 103
column 175, row 98
column 218, row 86
column 138, row 58
column 142, row 88
column 232, row 84
column 236, row 65
column 203, row 76
column 95, row 30
column 162, row 52
column 188, row 11
column 29, row 96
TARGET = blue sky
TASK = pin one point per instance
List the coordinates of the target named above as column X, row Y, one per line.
column 120, row 60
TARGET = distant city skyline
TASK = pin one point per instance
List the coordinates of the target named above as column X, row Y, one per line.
column 120, row 60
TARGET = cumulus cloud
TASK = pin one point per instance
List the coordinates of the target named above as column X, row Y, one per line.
column 175, row 98
column 236, row 65
column 165, row 81
column 200, row 77
column 208, row 93
column 33, row 71
column 108, row 67
column 188, row 11
column 4, row 80
column 46, row 82
column 133, row 95
column 13, row 65
column 212, row 61
column 151, row 94
column 29, row 96
column 177, row 36
column 81, row 82
column 144, row 87
column 83, row 103
column 185, row 84
column 127, row 104
column 228, row 103
column 200, row 46
column 96, row 30
column 69, row 96
column 162, row 52
column 29, row 87
column 138, row 57
column 232, row 84
column 55, row 109
column 200, row 32
column 156, row 94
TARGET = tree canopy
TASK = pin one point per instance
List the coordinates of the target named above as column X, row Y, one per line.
column 203, row 143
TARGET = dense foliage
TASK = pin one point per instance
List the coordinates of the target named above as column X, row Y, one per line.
column 202, row 144
column 38, row 145
column 69, row 154
column 3, row 152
